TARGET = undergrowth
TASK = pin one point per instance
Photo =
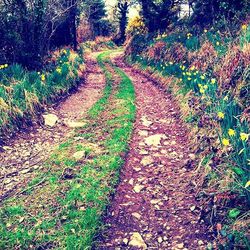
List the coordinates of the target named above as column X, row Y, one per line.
column 209, row 75
column 24, row 93
column 62, row 206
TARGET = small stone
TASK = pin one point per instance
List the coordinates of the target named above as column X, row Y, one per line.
column 143, row 152
column 50, row 120
column 125, row 241
column 192, row 157
column 192, row 208
column 200, row 243
column 164, row 151
column 147, row 160
column 131, row 182
column 180, row 246
column 154, row 202
column 138, row 188
column 25, row 171
column 6, row 148
column 154, row 140
column 137, row 169
column 79, row 155
column 136, row 240
column 160, row 240
column 73, row 124
column 146, row 122
column 136, row 215
column 143, row 133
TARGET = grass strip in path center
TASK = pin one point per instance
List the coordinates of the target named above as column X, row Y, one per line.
column 62, row 207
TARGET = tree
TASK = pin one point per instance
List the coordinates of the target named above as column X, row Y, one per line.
column 29, row 28
column 94, row 12
column 159, row 14
column 208, row 11
column 120, row 14
column 123, row 20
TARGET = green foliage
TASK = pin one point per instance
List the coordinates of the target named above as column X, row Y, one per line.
column 217, row 113
column 23, row 93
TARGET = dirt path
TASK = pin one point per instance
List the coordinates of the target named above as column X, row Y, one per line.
column 154, row 206
column 28, row 151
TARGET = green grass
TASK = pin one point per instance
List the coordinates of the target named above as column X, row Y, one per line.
column 202, row 99
column 23, row 93
column 65, row 210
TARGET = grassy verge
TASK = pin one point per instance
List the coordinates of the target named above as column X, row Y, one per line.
column 222, row 145
column 24, row 93
column 62, row 206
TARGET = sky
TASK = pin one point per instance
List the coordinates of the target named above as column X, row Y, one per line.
column 133, row 11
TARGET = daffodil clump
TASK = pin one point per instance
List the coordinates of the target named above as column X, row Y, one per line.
column 4, row 66
column 219, row 106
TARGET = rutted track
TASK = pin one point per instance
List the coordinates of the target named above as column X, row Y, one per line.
column 29, row 150
column 154, row 206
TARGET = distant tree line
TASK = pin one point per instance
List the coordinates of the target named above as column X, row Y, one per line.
column 31, row 28
column 159, row 14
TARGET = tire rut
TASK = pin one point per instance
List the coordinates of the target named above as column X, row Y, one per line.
column 154, row 206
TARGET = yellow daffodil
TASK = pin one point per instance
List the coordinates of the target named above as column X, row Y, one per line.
column 221, row 115
column 205, row 87
column 244, row 27
column 225, row 98
column 244, row 136
column 213, row 81
column 189, row 78
column 217, row 43
column 205, row 30
column 225, row 142
column 202, row 90
column 59, row 70
column 247, row 184
column 184, row 73
column 43, row 77
column 192, row 68
column 199, row 85
column 202, row 77
column 171, row 63
column 231, row 132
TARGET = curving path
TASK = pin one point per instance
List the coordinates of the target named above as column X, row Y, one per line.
column 154, row 206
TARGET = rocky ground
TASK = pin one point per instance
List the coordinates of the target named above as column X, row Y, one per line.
column 30, row 149
column 154, row 206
